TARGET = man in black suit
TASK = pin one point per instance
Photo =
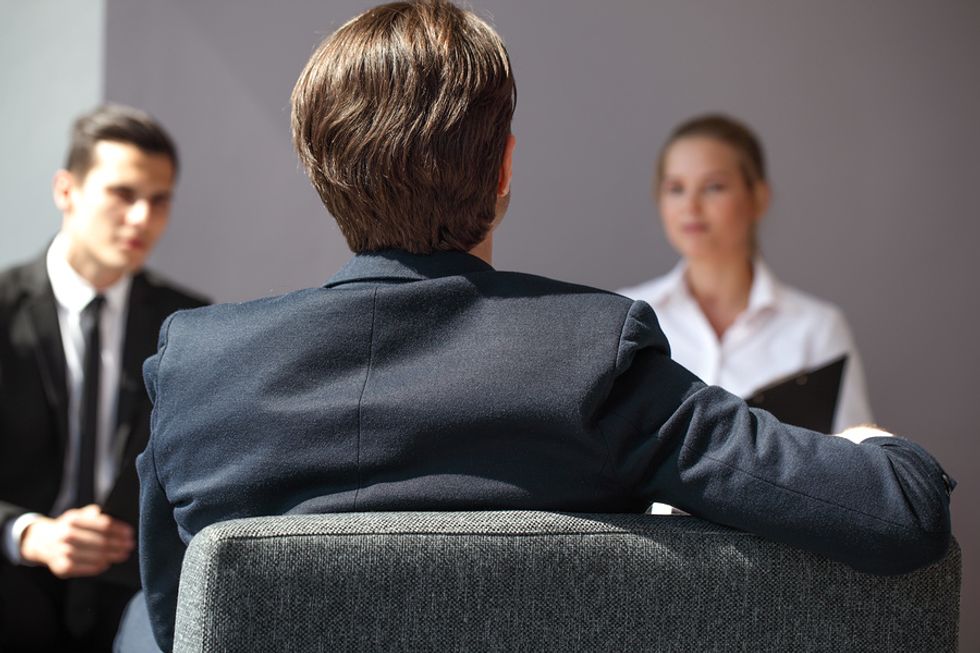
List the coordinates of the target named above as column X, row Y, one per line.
column 75, row 327
column 420, row 378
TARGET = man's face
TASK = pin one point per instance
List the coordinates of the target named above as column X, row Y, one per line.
column 115, row 214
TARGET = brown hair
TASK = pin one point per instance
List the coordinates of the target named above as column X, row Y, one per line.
column 120, row 124
column 751, row 157
column 400, row 118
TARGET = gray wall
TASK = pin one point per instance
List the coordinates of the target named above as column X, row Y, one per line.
column 868, row 111
column 51, row 67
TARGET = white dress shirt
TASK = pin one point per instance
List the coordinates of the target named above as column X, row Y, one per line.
column 72, row 294
column 782, row 332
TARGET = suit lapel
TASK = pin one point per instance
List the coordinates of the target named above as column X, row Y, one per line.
column 41, row 325
column 139, row 343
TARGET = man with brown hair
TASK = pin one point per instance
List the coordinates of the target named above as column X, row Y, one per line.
column 75, row 327
column 420, row 378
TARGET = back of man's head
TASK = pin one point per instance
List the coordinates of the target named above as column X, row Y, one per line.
column 119, row 124
column 401, row 118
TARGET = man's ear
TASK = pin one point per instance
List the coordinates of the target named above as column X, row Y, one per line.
column 61, row 189
column 506, row 167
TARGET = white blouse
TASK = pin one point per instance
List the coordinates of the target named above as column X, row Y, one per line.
column 782, row 332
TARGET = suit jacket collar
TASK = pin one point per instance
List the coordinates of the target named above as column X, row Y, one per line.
column 393, row 266
column 35, row 280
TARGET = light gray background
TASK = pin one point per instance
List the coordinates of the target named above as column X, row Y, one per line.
column 51, row 69
column 868, row 111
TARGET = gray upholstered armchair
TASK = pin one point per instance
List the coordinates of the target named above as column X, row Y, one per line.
column 534, row 581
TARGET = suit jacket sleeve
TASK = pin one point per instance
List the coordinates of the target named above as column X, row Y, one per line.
column 161, row 548
column 881, row 506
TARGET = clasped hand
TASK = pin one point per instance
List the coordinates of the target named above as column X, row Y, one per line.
column 79, row 542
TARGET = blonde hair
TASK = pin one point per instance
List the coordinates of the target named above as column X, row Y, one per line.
column 728, row 130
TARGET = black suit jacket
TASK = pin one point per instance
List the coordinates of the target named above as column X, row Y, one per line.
column 437, row 383
column 34, row 399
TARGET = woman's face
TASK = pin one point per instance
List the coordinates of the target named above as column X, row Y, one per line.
column 709, row 210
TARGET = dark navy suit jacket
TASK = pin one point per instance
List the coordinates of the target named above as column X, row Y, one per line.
column 437, row 383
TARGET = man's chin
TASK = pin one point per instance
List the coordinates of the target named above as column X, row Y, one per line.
column 127, row 263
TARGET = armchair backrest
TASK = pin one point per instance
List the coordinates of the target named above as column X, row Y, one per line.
column 537, row 581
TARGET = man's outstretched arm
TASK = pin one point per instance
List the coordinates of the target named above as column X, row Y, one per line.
column 880, row 505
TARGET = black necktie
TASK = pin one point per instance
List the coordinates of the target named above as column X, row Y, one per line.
column 89, row 406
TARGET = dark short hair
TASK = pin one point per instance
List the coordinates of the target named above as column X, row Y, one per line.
column 728, row 130
column 401, row 118
column 120, row 124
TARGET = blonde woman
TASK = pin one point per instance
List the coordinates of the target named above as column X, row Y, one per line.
column 727, row 318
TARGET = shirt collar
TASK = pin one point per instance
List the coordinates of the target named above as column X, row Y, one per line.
column 73, row 292
column 763, row 294
column 765, row 288
column 398, row 265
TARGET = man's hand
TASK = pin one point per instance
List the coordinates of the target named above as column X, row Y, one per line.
column 80, row 542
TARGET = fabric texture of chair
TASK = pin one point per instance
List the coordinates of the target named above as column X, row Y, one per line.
column 536, row 581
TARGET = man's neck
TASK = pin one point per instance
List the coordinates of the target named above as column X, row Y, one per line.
column 484, row 249
column 98, row 276
column 721, row 289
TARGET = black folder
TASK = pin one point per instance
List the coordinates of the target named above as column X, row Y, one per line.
column 807, row 399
